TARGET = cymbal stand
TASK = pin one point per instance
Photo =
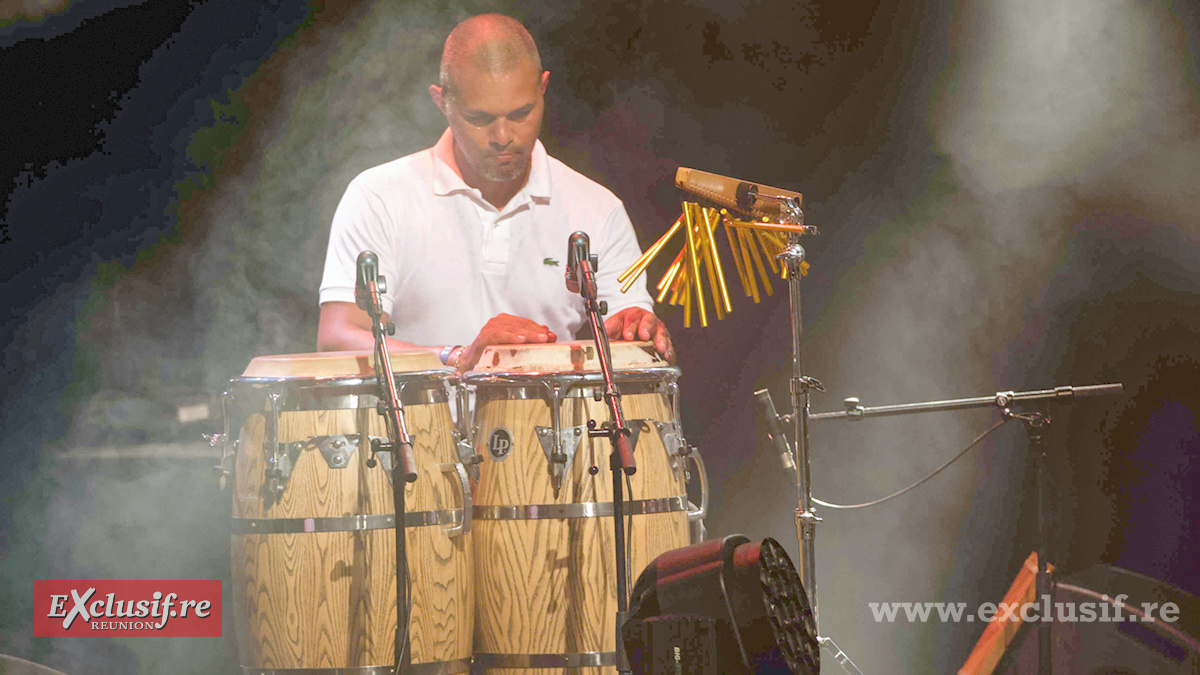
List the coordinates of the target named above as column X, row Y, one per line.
column 1036, row 423
column 800, row 386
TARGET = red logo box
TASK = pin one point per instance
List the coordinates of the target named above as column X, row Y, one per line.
column 150, row 608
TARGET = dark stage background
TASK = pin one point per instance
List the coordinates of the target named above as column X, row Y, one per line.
column 1007, row 195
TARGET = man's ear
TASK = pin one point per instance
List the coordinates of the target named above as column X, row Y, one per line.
column 545, row 79
column 439, row 98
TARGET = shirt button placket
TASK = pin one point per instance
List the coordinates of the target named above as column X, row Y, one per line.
column 495, row 242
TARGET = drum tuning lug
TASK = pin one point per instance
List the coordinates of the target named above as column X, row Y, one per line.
column 273, row 488
column 560, row 450
column 466, row 452
column 223, row 471
column 674, row 443
column 279, row 467
column 228, row 456
column 222, row 474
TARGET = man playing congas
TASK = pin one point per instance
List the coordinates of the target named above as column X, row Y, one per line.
column 471, row 233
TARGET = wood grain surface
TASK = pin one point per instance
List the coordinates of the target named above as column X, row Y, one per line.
column 549, row 586
column 328, row 599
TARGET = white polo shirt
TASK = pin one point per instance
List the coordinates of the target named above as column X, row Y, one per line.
column 452, row 260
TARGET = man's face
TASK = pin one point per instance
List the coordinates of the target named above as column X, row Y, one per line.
column 496, row 119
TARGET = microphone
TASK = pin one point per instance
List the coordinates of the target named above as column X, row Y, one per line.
column 368, row 284
column 775, row 429
column 581, row 266
column 757, row 200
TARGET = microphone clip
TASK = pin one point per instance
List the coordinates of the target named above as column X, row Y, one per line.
column 581, row 266
column 369, row 284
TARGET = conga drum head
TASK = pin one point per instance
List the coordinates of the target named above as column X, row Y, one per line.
column 313, row 529
column 338, row 365
column 546, row 589
column 566, row 357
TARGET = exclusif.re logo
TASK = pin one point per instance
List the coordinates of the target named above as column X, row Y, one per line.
column 167, row 608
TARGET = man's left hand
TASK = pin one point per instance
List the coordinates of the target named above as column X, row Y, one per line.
column 635, row 323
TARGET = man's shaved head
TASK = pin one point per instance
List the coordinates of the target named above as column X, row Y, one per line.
column 488, row 43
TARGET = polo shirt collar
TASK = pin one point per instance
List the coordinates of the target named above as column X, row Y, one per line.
column 446, row 179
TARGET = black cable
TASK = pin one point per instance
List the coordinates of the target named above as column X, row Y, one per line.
column 403, row 596
column 936, row 471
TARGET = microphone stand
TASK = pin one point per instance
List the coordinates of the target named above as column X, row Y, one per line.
column 399, row 444
column 581, row 277
column 1036, row 424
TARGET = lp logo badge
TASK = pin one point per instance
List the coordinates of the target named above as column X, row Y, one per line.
column 500, row 443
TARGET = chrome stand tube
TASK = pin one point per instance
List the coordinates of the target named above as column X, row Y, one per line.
column 806, row 518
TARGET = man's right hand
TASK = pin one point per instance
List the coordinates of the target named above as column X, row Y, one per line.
column 503, row 329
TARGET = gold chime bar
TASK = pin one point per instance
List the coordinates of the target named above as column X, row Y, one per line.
column 749, row 241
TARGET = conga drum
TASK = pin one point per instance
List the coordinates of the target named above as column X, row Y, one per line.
column 313, row 531
column 545, row 563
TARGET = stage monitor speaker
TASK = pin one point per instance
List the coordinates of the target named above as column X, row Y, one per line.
column 728, row 606
column 1107, row 631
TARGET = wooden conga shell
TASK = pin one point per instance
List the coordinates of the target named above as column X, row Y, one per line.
column 546, row 585
column 314, row 567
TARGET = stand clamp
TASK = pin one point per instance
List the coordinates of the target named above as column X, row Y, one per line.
column 805, row 384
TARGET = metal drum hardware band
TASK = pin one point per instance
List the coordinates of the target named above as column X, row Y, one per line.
column 357, row 523
column 577, row 660
column 431, row 668
column 579, row 509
